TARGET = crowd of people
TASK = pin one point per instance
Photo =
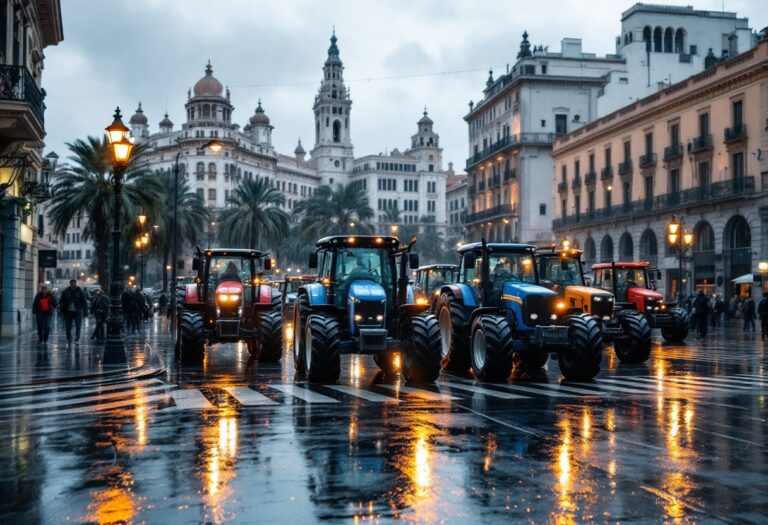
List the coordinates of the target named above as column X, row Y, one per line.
column 713, row 311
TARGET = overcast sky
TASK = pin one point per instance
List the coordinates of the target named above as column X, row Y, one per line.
column 399, row 56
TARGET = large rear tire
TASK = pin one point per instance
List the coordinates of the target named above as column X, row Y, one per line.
column 421, row 360
column 678, row 332
column 192, row 342
column 454, row 333
column 635, row 345
column 582, row 360
column 300, row 314
column 271, row 335
column 322, row 355
column 491, row 348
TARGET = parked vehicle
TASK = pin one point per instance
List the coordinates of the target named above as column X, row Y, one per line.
column 363, row 304
column 288, row 289
column 498, row 316
column 431, row 278
column 229, row 303
column 561, row 271
column 629, row 282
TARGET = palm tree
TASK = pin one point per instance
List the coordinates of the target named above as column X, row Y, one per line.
column 85, row 189
column 430, row 244
column 294, row 250
column 253, row 216
column 336, row 211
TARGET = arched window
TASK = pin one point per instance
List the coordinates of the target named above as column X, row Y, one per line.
column 737, row 250
column 647, row 32
column 704, row 257
column 206, row 111
column 649, row 248
column 606, row 248
column 680, row 40
column 626, row 247
column 657, row 40
column 200, row 168
column 336, row 131
column 590, row 253
column 668, row 40
column 212, row 168
column 333, row 94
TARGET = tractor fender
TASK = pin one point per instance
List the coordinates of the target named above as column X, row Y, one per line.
column 409, row 310
column 486, row 310
column 265, row 294
column 462, row 292
column 316, row 292
column 191, row 293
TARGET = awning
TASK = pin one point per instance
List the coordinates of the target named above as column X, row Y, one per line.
column 747, row 278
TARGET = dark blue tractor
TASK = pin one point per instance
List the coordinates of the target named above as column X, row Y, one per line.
column 362, row 303
column 498, row 317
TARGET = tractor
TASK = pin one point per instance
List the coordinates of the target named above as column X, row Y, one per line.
column 430, row 280
column 630, row 284
column 363, row 304
column 288, row 289
column 561, row 270
column 228, row 303
column 498, row 317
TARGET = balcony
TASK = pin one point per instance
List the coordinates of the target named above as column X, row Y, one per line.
column 700, row 195
column 590, row 178
column 576, row 183
column 606, row 173
column 562, row 187
column 504, row 210
column 675, row 151
column 735, row 133
column 520, row 139
column 701, row 143
column 510, row 175
column 481, row 185
column 494, row 182
column 21, row 104
column 625, row 168
column 647, row 160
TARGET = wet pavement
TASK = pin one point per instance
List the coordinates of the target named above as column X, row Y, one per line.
column 679, row 438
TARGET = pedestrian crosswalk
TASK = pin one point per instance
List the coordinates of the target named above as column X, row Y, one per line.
column 108, row 395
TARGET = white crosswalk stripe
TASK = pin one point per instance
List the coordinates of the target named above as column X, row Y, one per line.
column 426, row 395
column 94, row 399
column 247, row 397
column 574, row 389
column 73, row 393
column 363, row 394
column 10, row 392
column 190, row 399
column 699, row 384
column 484, row 391
column 304, row 394
column 531, row 390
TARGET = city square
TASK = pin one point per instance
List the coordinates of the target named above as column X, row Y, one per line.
column 316, row 311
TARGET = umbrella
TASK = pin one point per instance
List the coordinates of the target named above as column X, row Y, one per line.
column 747, row 278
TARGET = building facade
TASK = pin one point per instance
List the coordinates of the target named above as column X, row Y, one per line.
column 27, row 27
column 455, row 205
column 697, row 150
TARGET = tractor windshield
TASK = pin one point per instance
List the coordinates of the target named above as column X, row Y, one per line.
column 558, row 272
column 227, row 268
column 511, row 267
column 437, row 277
column 364, row 263
column 627, row 278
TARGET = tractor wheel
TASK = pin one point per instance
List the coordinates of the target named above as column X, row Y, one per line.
column 277, row 305
column 582, row 360
column 491, row 348
column 635, row 345
column 386, row 363
column 322, row 356
column 454, row 333
column 300, row 313
column 677, row 333
column 421, row 361
column 191, row 340
column 271, row 335
column 529, row 360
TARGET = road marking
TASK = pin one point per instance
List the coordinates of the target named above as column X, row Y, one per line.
column 247, row 397
column 622, row 389
column 548, row 393
column 485, row 391
column 576, row 390
column 427, row 395
column 105, row 406
column 304, row 394
column 364, row 394
column 680, row 383
column 85, row 399
column 78, row 392
column 6, row 394
column 190, row 399
column 653, row 386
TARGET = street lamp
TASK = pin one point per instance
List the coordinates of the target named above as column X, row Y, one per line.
column 681, row 240
column 763, row 267
column 117, row 132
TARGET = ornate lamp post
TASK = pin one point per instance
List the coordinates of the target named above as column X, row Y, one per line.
column 117, row 132
column 763, row 267
column 681, row 240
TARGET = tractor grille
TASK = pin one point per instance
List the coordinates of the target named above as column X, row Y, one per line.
column 602, row 306
column 228, row 328
column 369, row 310
column 537, row 309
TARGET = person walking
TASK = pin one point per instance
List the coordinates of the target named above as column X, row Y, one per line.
column 721, row 310
column 100, row 311
column 748, row 310
column 43, row 307
column 701, row 309
column 74, row 306
column 762, row 313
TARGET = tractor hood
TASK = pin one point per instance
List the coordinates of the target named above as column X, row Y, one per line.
column 586, row 290
column 644, row 293
column 521, row 290
column 366, row 290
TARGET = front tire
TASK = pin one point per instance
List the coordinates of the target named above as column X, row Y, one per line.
column 677, row 333
column 191, row 340
column 421, row 361
column 491, row 348
column 582, row 360
column 454, row 334
column 271, row 335
column 322, row 355
column 635, row 345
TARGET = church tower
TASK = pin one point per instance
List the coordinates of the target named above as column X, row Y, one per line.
column 333, row 152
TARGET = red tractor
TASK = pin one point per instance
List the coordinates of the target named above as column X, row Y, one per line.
column 228, row 302
column 630, row 284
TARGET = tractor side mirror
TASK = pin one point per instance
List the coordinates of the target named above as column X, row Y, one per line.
column 196, row 264
column 469, row 261
column 313, row 260
column 267, row 263
column 413, row 260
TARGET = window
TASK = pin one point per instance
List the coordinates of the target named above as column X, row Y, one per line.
column 591, row 162
column 212, row 194
column 544, row 68
column 608, row 157
column 543, row 123
column 576, row 169
column 563, row 208
column 674, row 134
column 431, row 167
column 591, row 202
column 608, row 202
column 627, row 151
column 737, row 165
column 703, row 124
column 674, row 181
column 627, row 193
column 738, row 113
column 542, row 209
column 577, row 205
column 704, row 174
column 649, row 143
column 649, row 188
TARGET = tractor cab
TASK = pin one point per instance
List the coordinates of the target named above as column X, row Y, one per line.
column 431, row 278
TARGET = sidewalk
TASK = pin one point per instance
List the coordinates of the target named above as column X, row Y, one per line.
column 25, row 362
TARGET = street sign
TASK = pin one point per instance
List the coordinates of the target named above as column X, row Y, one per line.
column 47, row 258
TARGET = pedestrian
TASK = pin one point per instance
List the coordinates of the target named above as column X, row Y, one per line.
column 74, row 307
column 43, row 307
column 721, row 310
column 762, row 313
column 748, row 310
column 162, row 304
column 701, row 309
column 713, row 311
column 100, row 311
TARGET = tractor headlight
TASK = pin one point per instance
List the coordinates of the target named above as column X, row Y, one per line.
column 606, row 318
column 358, row 317
column 649, row 307
column 228, row 298
column 553, row 317
column 380, row 318
column 422, row 300
column 534, row 316
column 560, row 305
column 598, row 299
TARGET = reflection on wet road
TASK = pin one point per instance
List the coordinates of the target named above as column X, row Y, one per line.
column 681, row 437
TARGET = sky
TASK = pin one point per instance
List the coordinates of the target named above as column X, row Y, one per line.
column 399, row 56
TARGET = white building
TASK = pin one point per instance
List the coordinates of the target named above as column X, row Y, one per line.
column 455, row 205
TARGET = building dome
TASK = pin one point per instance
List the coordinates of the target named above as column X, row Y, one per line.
column 259, row 117
column 139, row 118
column 299, row 151
column 166, row 122
column 425, row 120
column 208, row 86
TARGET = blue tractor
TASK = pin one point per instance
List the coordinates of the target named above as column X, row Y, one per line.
column 362, row 303
column 497, row 317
